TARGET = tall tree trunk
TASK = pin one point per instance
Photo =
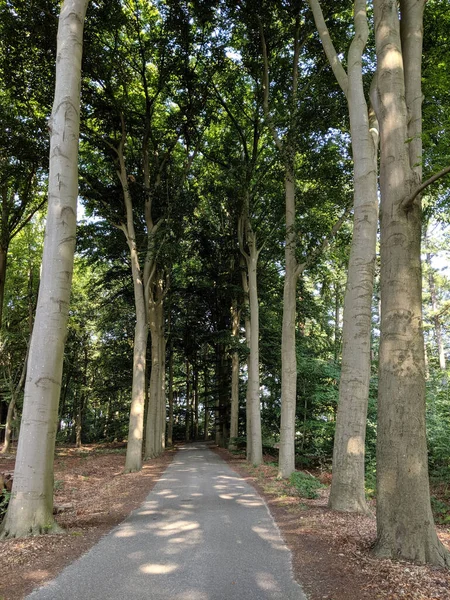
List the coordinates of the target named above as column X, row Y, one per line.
column 405, row 525
column 170, row 398
column 162, row 382
column 195, row 428
column 83, row 398
column 286, row 463
column 248, row 427
column 347, row 488
column 133, row 460
column 156, row 412
column 254, row 406
column 234, row 417
column 8, row 424
column 188, row 401
column 337, row 323
column 3, row 263
column 15, row 393
column 30, row 509
column 250, row 254
column 79, row 420
column 218, row 407
column 437, row 325
column 347, row 491
column 206, row 404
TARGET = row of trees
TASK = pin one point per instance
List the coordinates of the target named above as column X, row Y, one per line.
column 216, row 138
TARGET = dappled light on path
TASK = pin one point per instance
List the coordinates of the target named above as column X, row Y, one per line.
column 203, row 533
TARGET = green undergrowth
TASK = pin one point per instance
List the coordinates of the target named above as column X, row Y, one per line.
column 441, row 510
column 300, row 484
column 4, row 501
column 305, row 485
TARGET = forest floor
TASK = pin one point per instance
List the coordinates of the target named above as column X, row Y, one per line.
column 330, row 551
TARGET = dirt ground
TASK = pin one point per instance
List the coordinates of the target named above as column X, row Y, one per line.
column 331, row 551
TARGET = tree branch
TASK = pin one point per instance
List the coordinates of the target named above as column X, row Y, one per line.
column 325, row 243
column 233, row 120
column 408, row 202
column 267, row 114
column 328, row 46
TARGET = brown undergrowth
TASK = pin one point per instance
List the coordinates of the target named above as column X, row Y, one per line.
column 94, row 496
column 331, row 551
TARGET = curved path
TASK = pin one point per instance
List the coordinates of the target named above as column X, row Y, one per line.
column 202, row 534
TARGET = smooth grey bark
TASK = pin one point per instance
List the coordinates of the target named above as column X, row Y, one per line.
column 250, row 253
column 248, row 428
column 170, row 400
column 195, row 423
column 30, row 510
column 206, row 403
column 348, row 484
column 188, row 402
column 133, row 459
column 405, row 527
column 255, row 403
column 437, row 325
column 286, row 461
column 234, row 416
column 156, row 416
column 293, row 269
column 3, row 264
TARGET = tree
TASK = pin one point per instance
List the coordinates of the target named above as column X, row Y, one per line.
column 298, row 239
column 348, row 483
column 25, row 101
column 30, row 510
column 20, row 305
column 405, row 527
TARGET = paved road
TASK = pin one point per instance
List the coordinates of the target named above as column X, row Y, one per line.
column 202, row 534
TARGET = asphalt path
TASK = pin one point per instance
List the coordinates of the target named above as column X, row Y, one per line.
column 202, row 534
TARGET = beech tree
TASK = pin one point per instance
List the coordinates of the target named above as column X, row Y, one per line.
column 30, row 510
column 348, row 483
column 240, row 102
column 142, row 128
column 405, row 526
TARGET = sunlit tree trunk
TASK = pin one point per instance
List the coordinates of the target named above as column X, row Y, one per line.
column 250, row 253
column 30, row 509
column 405, row 526
column 347, row 488
column 133, row 460
column 253, row 383
column 286, row 463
